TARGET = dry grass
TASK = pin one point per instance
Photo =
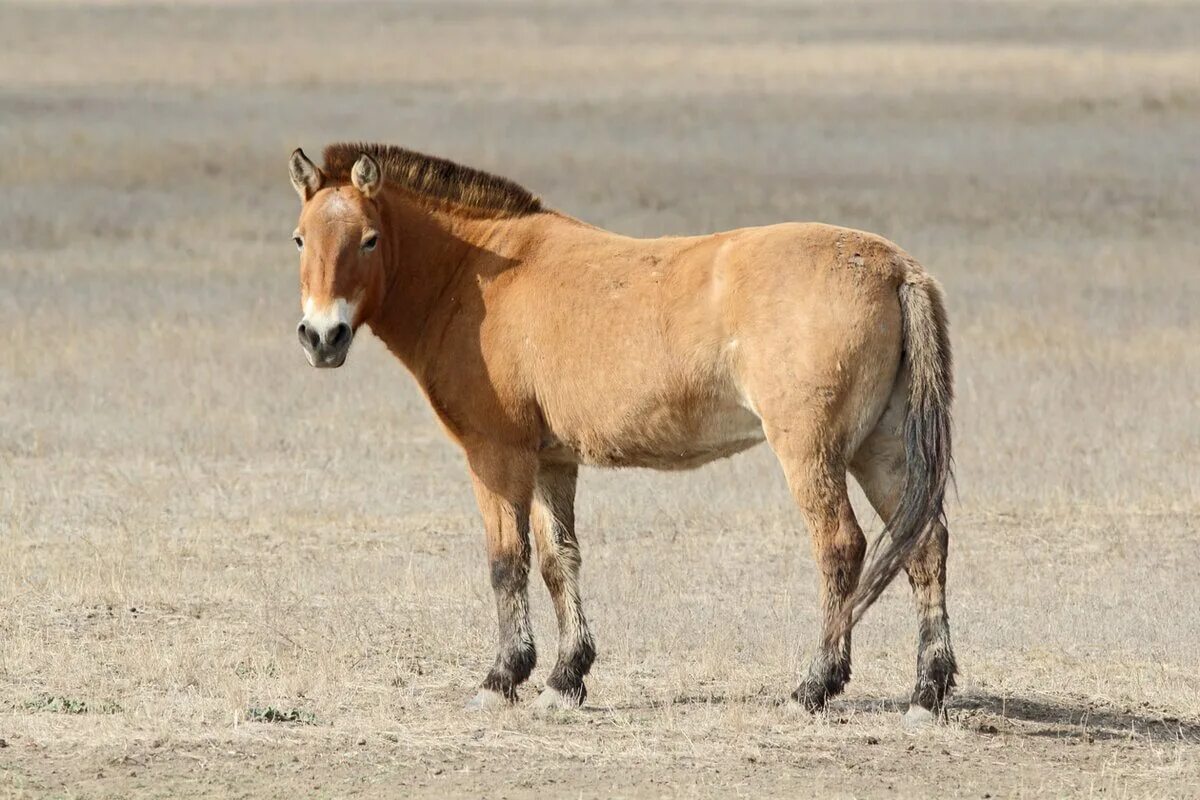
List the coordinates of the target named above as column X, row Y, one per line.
column 196, row 528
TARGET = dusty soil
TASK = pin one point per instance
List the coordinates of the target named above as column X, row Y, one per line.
column 223, row 573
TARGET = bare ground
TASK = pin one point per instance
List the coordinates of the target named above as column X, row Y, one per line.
column 198, row 534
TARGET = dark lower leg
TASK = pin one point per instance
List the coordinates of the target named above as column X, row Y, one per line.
column 936, row 666
column 839, row 557
column 558, row 551
column 504, row 489
column 515, row 657
column 828, row 674
column 576, row 651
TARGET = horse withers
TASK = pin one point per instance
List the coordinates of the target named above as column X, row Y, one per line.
column 544, row 343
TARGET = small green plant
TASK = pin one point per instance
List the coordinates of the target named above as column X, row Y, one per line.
column 272, row 714
column 58, row 704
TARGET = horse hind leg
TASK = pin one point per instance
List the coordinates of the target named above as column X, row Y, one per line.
column 878, row 466
column 818, row 483
column 936, row 665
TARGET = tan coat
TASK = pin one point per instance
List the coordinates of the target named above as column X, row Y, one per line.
column 544, row 343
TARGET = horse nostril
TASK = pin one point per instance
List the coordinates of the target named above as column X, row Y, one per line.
column 308, row 337
column 338, row 336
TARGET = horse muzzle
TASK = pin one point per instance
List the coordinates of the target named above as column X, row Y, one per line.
column 326, row 347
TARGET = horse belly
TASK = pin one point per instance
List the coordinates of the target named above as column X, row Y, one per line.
column 664, row 436
column 724, row 435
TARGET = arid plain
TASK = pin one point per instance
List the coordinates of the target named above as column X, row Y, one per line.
column 224, row 573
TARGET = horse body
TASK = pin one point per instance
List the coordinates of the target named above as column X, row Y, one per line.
column 620, row 352
column 623, row 351
column 544, row 343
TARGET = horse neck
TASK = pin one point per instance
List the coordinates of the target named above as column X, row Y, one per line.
column 439, row 250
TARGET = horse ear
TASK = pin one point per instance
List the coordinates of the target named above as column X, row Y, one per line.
column 366, row 176
column 306, row 176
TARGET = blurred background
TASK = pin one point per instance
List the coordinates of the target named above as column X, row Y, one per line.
column 171, row 548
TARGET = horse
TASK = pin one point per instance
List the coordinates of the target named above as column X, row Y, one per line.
column 544, row 344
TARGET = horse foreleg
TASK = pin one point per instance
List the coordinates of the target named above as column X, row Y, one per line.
column 503, row 480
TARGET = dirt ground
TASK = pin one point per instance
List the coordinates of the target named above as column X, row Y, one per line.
column 223, row 573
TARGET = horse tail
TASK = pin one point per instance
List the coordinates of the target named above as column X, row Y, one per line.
column 926, row 432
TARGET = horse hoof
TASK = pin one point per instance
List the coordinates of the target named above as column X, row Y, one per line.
column 553, row 700
column 810, row 698
column 918, row 717
column 487, row 700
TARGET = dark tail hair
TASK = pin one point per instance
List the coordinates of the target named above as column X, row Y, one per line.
column 928, row 463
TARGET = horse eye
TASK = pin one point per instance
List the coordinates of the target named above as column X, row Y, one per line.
column 369, row 243
column 299, row 242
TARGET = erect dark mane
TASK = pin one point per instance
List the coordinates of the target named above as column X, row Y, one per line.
column 435, row 177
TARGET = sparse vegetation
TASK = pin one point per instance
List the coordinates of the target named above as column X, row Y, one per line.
column 56, row 704
column 197, row 530
column 271, row 714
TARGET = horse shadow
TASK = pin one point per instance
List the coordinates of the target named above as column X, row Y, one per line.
column 1056, row 717
column 992, row 714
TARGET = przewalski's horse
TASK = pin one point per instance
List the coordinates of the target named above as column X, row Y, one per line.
column 544, row 343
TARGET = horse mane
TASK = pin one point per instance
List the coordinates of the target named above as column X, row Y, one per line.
column 435, row 177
